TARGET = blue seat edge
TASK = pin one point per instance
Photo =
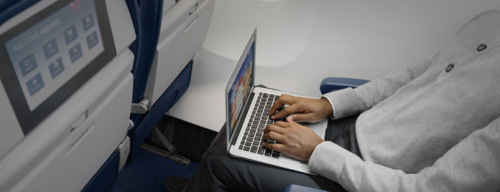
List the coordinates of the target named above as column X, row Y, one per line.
column 335, row 83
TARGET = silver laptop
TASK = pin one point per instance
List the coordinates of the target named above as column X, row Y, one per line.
column 247, row 114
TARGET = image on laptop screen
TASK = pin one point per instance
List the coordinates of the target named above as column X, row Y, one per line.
column 241, row 88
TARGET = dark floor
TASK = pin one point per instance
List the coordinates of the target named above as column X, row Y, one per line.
column 148, row 172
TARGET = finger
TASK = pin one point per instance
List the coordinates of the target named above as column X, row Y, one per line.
column 282, row 100
column 274, row 146
column 272, row 127
column 273, row 136
column 276, row 105
column 287, row 111
column 301, row 117
column 281, row 124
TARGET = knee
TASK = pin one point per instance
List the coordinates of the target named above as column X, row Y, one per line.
column 216, row 164
column 214, row 157
column 216, row 173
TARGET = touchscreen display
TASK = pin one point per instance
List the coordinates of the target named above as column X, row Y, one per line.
column 48, row 54
column 51, row 54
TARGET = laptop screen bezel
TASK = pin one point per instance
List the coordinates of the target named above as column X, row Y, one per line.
column 231, row 130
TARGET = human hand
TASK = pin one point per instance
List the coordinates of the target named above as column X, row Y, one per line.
column 301, row 109
column 293, row 139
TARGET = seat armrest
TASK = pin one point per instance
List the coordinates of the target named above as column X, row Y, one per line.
column 334, row 83
column 300, row 188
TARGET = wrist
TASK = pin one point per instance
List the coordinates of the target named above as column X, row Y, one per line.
column 313, row 150
column 330, row 107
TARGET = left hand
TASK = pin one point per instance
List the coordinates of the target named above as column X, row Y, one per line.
column 301, row 109
column 294, row 139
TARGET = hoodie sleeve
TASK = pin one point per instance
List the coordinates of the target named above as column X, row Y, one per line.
column 472, row 165
column 350, row 101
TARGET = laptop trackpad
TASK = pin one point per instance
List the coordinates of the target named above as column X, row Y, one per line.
column 319, row 128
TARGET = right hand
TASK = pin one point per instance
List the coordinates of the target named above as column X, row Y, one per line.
column 301, row 109
column 293, row 139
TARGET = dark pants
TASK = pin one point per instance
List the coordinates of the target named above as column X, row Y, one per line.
column 220, row 172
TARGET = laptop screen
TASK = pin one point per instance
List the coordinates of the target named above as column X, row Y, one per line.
column 240, row 86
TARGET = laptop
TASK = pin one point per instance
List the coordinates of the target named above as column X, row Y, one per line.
column 247, row 114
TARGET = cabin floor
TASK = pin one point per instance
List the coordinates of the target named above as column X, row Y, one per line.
column 149, row 171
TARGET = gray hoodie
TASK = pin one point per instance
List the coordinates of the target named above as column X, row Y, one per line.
column 432, row 127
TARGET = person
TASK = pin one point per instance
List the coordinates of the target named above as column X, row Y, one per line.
column 432, row 127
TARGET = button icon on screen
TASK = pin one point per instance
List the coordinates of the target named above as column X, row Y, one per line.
column 56, row 68
column 75, row 53
column 88, row 22
column 92, row 40
column 50, row 48
column 35, row 84
column 70, row 34
column 27, row 64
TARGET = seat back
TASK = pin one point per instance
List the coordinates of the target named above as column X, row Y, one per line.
column 146, row 16
column 170, row 33
column 9, row 8
column 65, row 90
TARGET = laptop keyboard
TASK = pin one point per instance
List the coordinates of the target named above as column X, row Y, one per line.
column 252, row 138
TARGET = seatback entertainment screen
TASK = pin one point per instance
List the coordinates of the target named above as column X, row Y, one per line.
column 49, row 56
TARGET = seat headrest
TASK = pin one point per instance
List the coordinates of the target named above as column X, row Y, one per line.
column 10, row 8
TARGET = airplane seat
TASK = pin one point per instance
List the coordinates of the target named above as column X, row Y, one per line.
column 335, row 83
column 169, row 35
column 11, row 8
column 146, row 16
column 65, row 92
column 300, row 188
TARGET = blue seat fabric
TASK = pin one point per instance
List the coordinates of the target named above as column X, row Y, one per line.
column 334, row 83
column 10, row 8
